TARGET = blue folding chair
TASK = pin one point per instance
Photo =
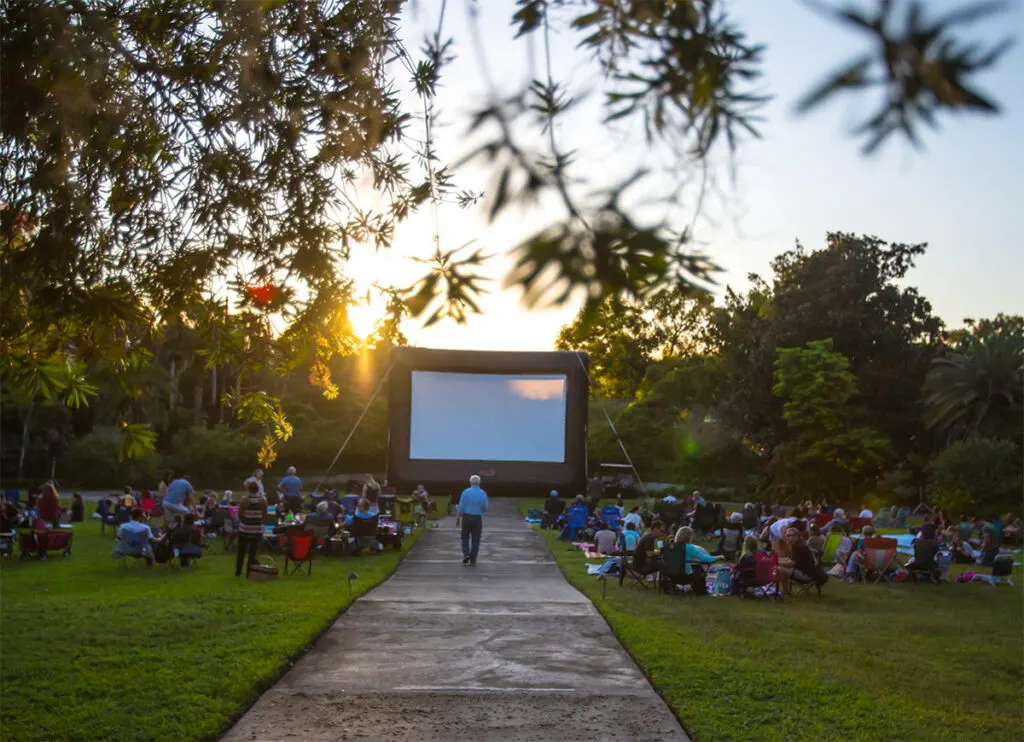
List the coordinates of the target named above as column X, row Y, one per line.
column 350, row 503
column 576, row 519
column 610, row 515
column 135, row 546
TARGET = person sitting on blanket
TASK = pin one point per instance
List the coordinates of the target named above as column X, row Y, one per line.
column 630, row 538
column 643, row 563
column 605, row 540
column 799, row 565
column 744, row 572
column 694, row 575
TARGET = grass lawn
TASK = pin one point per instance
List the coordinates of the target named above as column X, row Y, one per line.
column 90, row 651
column 866, row 662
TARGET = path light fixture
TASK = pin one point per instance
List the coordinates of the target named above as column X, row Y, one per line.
column 351, row 576
column 604, row 585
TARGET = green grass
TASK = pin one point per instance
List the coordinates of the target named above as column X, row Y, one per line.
column 866, row 662
column 91, row 651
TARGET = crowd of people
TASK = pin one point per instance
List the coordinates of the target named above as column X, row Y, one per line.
column 792, row 535
column 175, row 523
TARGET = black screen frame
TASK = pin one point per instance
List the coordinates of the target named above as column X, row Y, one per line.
column 446, row 474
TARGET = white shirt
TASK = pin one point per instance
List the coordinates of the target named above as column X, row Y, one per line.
column 865, row 513
column 257, row 481
column 633, row 518
column 779, row 527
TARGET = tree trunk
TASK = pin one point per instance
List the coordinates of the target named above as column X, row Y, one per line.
column 197, row 401
column 25, row 430
column 174, row 383
column 213, row 385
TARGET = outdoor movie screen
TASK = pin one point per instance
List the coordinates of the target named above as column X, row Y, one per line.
column 487, row 417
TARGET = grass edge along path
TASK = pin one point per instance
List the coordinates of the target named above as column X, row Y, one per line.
column 866, row 662
column 90, row 651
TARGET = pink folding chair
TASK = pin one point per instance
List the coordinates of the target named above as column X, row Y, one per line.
column 879, row 557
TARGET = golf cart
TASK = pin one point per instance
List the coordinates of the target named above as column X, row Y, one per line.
column 618, row 480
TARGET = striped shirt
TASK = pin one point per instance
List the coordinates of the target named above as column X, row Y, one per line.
column 250, row 521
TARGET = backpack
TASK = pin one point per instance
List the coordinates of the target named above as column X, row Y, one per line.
column 161, row 551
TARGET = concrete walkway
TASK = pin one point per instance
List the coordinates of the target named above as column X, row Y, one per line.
column 500, row 652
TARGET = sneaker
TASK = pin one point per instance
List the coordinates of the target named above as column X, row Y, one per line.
column 465, row 560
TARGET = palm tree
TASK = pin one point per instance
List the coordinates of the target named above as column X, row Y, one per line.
column 977, row 390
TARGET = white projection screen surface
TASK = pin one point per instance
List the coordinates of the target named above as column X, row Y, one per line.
column 487, row 417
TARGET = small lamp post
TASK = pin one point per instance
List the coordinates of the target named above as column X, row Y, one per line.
column 604, row 585
column 351, row 576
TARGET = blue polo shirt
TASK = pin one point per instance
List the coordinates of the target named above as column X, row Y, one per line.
column 473, row 501
column 177, row 491
column 290, row 485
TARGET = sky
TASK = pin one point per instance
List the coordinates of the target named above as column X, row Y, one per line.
column 805, row 177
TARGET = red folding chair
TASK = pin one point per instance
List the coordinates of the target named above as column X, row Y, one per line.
column 300, row 548
column 879, row 558
column 766, row 575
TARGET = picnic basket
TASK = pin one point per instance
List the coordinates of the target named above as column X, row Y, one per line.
column 263, row 572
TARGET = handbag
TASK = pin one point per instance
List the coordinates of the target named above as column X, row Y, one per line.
column 263, row 572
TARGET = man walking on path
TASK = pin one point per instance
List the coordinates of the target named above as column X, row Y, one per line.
column 472, row 506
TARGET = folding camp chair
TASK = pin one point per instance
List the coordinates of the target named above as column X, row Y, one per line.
column 1002, row 570
column 924, row 565
column 766, row 575
column 828, row 554
column 879, row 558
column 135, row 546
column 857, row 524
column 576, row 519
column 299, row 549
column 627, row 572
column 822, row 519
column 610, row 514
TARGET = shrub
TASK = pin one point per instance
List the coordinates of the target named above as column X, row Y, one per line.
column 92, row 461
column 982, row 475
column 213, row 456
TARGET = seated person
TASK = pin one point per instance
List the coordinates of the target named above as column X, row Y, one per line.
column 186, row 540
column 839, row 520
column 77, row 508
column 134, row 538
column 322, row 517
column 633, row 516
column 643, row 561
column 799, row 565
column 363, row 513
column 842, row 556
column 856, row 558
column 48, row 505
column 630, row 538
column 1011, row 529
column 866, row 512
column 693, row 574
column 744, row 573
column 605, row 539
column 209, row 506
column 553, row 509
column 942, row 520
column 927, row 531
column 128, row 497
column 991, row 540
column 816, row 541
column 961, row 551
column 883, row 519
column 732, row 537
column 9, row 517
